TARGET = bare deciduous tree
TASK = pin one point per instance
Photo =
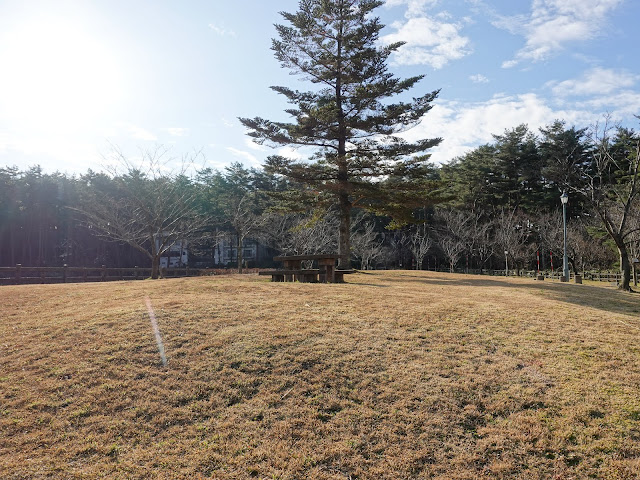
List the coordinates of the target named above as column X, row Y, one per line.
column 583, row 250
column 366, row 242
column 481, row 243
column 550, row 232
column 246, row 221
column 295, row 234
column 452, row 234
column 609, row 182
column 148, row 206
column 419, row 239
column 512, row 232
column 586, row 251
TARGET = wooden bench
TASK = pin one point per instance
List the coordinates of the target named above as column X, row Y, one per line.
column 305, row 275
column 339, row 275
column 302, row 275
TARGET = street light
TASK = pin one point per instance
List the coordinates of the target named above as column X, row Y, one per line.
column 564, row 198
column 506, row 263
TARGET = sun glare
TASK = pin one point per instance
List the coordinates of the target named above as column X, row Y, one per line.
column 57, row 75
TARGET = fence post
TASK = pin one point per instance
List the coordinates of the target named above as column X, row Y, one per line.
column 135, row 272
column 84, row 274
column 18, row 273
column 64, row 273
column 104, row 273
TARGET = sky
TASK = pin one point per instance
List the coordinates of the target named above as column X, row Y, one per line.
column 80, row 79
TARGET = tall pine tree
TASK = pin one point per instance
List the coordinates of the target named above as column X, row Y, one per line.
column 348, row 118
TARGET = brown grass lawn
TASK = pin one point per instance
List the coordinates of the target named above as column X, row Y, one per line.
column 395, row 375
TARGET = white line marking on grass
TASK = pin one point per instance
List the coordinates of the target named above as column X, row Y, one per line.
column 629, row 325
column 156, row 331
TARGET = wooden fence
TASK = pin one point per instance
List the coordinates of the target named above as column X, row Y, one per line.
column 595, row 276
column 28, row 275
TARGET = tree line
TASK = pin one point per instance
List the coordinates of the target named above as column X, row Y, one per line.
column 501, row 197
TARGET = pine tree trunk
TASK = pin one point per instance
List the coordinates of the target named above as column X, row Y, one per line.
column 344, row 240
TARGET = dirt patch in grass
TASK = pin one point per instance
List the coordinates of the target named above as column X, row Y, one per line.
column 393, row 375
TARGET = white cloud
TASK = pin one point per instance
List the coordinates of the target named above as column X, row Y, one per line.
column 254, row 146
column 601, row 90
column 465, row 126
column 289, row 152
column 479, row 78
column 5, row 142
column 177, row 131
column 245, row 155
column 552, row 24
column 222, row 31
column 597, row 81
column 51, row 151
column 414, row 7
column 428, row 42
column 430, row 39
column 137, row 132
column 228, row 123
column 621, row 105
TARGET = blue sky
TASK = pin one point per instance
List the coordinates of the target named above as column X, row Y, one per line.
column 80, row 76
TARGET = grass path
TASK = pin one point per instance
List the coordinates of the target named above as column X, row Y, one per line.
column 394, row 375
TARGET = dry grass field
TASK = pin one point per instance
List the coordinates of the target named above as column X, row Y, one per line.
column 395, row 375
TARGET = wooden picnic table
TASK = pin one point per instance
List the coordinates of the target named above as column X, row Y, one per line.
column 326, row 266
column 293, row 271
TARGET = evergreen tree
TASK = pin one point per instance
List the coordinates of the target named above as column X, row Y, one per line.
column 348, row 118
column 472, row 179
column 518, row 167
column 565, row 153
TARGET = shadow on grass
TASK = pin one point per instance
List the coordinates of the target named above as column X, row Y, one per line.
column 364, row 284
column 606, row 299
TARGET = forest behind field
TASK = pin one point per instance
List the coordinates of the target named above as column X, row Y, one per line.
column 503, row 196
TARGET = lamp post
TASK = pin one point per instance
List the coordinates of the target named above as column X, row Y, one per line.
column 564, row 198
column 506, row 263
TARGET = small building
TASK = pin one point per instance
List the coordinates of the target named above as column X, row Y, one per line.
column 177, row 255
column 253, row 252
